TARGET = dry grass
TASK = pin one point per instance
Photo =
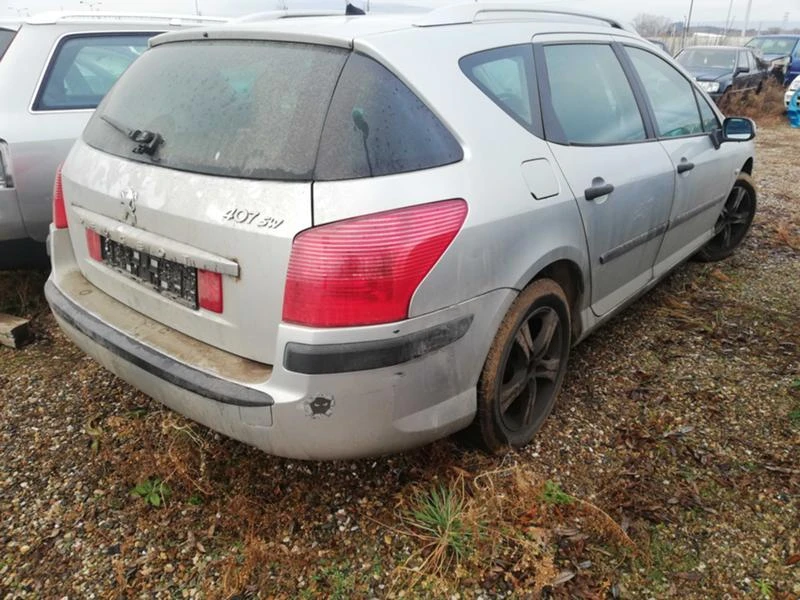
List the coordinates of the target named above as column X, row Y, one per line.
column 766, row 108
column 21, row 293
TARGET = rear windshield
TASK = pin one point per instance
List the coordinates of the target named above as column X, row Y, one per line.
column 223, row 107
column 6, row 35
column 258, row 110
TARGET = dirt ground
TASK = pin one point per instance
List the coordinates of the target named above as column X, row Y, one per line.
column 669, row 469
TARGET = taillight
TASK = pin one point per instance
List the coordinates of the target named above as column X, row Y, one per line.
column 209, row 290
column 365, row 270
column 93, row 244
column 59, row 210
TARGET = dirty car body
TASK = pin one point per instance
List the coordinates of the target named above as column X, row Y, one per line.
column 321, row 255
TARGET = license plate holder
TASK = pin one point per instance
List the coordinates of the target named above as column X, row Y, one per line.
column 171, row 279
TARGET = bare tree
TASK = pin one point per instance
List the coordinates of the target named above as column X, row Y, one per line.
column 651, row 25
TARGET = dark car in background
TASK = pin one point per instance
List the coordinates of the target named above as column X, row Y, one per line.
column 782, row 52
column 721, row 70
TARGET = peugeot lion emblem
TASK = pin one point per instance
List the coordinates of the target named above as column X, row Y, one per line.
column 128, row 203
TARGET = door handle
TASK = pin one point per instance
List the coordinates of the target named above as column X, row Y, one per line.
column 599, row 188
column 685, row 166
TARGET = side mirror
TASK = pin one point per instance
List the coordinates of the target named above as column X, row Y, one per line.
column 738, row 129
column 741, row 71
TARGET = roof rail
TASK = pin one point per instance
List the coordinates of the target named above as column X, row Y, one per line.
column 489, row 11
column 286, row 13
column 52, row 18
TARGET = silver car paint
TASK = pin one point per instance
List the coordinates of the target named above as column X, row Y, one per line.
column 509, row 237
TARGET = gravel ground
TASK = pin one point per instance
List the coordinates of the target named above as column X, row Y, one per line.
column 670, row 468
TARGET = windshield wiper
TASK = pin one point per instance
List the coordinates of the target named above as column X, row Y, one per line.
column 148, row 141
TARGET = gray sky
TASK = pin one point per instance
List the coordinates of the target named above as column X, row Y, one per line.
column 764, row 11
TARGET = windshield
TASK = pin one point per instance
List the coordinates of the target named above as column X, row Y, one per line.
column 250, row 109
column 6, row 35
column 768, row 45
column 708, row 58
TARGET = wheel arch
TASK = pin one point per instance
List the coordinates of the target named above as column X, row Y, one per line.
column 568, row 274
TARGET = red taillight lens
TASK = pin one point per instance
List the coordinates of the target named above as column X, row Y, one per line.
column 59, row 210
column 93, row 244
column 209, row 290
column 364, row 271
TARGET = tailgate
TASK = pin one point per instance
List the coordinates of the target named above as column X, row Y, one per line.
column 241, row 229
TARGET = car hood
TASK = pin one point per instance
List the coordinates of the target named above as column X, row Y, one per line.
column 707, row 74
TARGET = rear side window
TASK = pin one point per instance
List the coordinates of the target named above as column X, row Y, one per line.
column 505, row 74
column 232, row 108
column 6, row 35
column 84, row 68
column 377, row 126
column 670, row 94
column 599, row 111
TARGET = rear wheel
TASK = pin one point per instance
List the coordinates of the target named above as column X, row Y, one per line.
column 525, row 367
column 734, row 221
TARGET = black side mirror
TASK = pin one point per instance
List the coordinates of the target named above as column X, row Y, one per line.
column 741, row 70
column 738, row 129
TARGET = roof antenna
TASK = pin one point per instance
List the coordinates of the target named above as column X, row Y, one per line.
column 351, row 9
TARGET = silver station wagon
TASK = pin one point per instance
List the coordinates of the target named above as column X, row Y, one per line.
column 340, row 236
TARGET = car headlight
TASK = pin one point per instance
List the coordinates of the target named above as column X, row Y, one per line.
column 709, row 86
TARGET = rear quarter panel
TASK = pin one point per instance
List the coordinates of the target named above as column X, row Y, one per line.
column 508, row 236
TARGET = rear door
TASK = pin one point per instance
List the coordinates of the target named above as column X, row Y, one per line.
column 702, row 179
column 195, row 172
column 621, row 176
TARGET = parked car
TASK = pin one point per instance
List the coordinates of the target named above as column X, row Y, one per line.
column 55, row 70
column 782, row 52
column 309, row 239
column 793, row 87
column 720, row 70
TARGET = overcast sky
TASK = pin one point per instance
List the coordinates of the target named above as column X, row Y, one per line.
column 704, row 10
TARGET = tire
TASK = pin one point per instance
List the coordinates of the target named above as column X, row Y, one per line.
column 509, row 414
column 734, row 221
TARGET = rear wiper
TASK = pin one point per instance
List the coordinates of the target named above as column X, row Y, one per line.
column 148, row 141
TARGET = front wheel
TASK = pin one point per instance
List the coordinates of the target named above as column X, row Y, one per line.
column 525, row 367
column 733, row 222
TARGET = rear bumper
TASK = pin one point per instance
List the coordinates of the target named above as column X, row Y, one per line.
column 329, row 401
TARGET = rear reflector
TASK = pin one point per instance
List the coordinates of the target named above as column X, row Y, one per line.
column 93, row 244
column 59, row 210
column 365, row 270
column 209, row 290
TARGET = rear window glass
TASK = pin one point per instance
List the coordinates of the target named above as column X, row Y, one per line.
column 377, row 126
column 504, row 74
column 6, row 35
column 230, row 108
column 84, row 68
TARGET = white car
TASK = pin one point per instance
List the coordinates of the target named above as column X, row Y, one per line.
column 790, row 91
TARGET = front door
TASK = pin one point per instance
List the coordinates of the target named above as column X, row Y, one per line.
column 620, row 175
column 683, row 120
